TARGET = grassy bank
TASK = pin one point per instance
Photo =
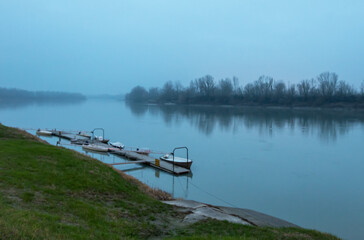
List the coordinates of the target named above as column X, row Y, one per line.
column 47, row 192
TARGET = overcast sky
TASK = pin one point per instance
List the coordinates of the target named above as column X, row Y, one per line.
column 110, row 46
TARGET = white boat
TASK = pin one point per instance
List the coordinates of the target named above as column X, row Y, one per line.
column 144, row 151
column 117, row 145
column 182, row 162
column 95, row 147
column 101, row 139
column 44, row 132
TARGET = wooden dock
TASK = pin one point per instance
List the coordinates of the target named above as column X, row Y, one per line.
column 130, row 155
column 68, row 135
column 156, row 163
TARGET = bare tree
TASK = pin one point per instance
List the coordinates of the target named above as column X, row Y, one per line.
column 225, row 87
column 327, row 84
column 206, row 85
column 237, row 90
column 362, row 88
column 344, row 90
column 168, row 92
column 304, row 88
column 279, row 89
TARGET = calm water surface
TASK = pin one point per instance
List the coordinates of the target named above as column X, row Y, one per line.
column 305, row 166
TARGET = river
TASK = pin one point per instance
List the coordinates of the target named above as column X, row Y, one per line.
column 304, row 166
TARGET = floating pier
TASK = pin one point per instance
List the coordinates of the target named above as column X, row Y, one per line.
column 130, row 155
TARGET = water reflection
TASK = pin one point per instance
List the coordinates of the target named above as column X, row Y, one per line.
column 326, row 124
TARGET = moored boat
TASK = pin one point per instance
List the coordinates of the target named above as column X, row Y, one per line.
column 95, row 147
column 44, row 132
column 101, row 139
column 144, row 151
column 79, row 141
column 182, row 162
column 117, row 145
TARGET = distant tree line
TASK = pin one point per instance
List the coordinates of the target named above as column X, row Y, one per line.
column 325, row 89
column 18, row 95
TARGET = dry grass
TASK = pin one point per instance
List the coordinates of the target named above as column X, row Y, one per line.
column 153, row 192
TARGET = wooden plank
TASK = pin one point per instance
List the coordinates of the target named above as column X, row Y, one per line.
column 169, row 167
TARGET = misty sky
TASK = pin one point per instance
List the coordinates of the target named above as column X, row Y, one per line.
column 110, row 46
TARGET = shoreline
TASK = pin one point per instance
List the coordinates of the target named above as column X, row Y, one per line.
column 199, row 211
column 348, row 108
column 81, row 196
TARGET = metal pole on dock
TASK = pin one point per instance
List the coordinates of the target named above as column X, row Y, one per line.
column 103, row 133
column 177, row 149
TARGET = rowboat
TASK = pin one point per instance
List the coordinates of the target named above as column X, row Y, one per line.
column 144, row 151
column 94, row 147
column 101, row 139
column 182, row 162
column 117, row 145
column 79, row 141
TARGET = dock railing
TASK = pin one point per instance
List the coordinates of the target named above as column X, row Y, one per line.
column 177, row 149
column 93, row 133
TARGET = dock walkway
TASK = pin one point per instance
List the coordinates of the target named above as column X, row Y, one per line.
column 130, row 155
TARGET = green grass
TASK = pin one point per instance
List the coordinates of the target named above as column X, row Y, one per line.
column 47, row 192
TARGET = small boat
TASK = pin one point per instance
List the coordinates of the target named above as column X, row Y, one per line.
column 84, row 134
column 79, row 141
column 117, row 145
column 44, row 132
column 101, row 139
column 182, row 162
column 144, row 151
column 95, row 147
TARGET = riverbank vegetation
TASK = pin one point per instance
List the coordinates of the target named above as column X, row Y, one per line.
column 324, row 90
column 19, row 96
column 49, row 192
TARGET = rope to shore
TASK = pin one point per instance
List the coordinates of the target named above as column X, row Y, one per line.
column 212, row 195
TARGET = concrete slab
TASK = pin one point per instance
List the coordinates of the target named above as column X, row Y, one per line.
column 257, row 218
column 200, row 211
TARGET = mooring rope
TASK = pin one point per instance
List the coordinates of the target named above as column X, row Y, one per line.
column 212, row 195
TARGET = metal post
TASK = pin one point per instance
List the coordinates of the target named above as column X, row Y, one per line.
column 103, row 133
column 177, row 149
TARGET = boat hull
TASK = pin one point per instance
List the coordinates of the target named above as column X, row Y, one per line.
column 95, row 148
column 181, row 163
column 44, row 133
column 143, row 153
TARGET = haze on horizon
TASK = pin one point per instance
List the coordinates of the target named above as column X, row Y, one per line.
column 96, row 47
